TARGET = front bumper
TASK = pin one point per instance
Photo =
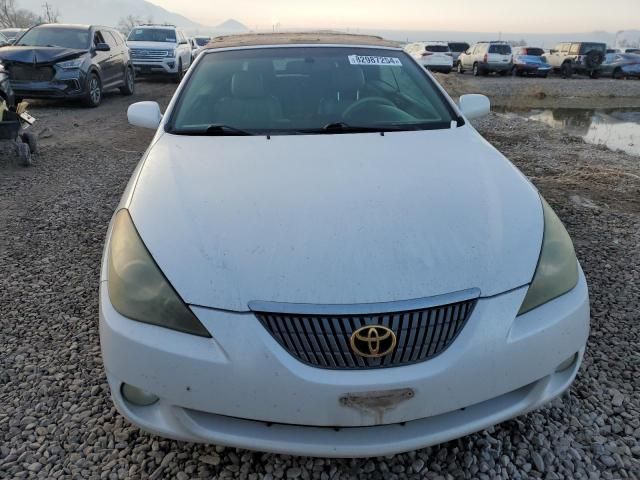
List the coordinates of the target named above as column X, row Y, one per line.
column 532, row 69
column 149, row 67
column 240, row 388
column 64, row 85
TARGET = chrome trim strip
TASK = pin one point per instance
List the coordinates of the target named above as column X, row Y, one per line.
column 364, row 308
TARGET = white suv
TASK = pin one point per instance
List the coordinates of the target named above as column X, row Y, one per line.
column 435, row 56
column 159, row 49
column 486, row 57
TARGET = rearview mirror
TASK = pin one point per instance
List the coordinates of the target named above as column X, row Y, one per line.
column 474, row 106
column 102, row 47
column 145, row 115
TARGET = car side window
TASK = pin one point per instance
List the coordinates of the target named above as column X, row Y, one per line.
column 109, row 39
column 98, row 38
column 575, row 49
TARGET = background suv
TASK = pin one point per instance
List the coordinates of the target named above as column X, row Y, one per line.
column 160, row 49
column 577, row 57
column 456, row 49
column 486, row 57
column 434, row 56
column 69, row 61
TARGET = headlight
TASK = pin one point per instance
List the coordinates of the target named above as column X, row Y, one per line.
column 557, row 271
column 171, row 53
column 138, row 289
column 71, row 64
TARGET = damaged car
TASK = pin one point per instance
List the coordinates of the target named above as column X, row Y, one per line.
column 69, row 62
column 318, row 254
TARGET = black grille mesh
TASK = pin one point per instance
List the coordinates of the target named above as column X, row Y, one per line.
column 324, row 341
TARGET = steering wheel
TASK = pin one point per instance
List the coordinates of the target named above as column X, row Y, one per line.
column 365, row 103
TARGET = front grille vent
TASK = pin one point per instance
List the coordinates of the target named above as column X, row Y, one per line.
column 324, row 340
column 31, row 73
column 144, row 54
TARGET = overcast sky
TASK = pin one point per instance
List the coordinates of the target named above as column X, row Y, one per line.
column 543, row 16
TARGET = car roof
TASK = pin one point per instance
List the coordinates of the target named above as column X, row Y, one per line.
column 155, row 26
column 68, row 25
column 299, row 38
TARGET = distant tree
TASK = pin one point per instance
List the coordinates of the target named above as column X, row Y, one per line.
column 50, row 14
column 128, row 23
column 13, row 17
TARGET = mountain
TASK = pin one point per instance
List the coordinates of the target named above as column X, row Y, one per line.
column 109, row 12
column 232, row 26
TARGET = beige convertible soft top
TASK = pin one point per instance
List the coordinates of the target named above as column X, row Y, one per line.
column 328, row 38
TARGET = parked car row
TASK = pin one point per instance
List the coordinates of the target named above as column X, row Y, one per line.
column 567, row 58
column 83, row 61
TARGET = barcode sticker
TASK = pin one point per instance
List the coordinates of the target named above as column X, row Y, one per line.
column 374, row 60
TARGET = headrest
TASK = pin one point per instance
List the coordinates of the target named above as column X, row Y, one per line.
column 247, row 85
column 347, row 78
column 263, row 66
column 297, row 67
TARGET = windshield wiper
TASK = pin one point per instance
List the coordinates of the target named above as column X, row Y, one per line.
column 342, row 127
column 213, row 131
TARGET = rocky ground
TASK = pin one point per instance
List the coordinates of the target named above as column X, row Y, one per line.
column 56, row 418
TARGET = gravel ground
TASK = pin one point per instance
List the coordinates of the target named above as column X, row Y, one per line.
column 56, row 418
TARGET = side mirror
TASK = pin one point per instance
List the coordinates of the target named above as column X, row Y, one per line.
column 474, row 106
column 145, row 115
column 552, row 51
column 103, row 47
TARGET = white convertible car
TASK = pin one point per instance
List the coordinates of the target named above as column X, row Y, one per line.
column 319, row 255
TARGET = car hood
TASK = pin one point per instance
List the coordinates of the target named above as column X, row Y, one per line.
column 336, row 219
column 39, row 55
column 152, row 45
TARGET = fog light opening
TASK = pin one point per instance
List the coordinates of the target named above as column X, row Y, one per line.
column 137, row 396
column 569, row 362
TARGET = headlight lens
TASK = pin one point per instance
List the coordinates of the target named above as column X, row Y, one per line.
column 557, row 271
column 138, row 289
column 171, row 53
column 71, row 64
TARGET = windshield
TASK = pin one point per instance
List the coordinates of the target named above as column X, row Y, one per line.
column 293, row 90
column 201, row 42
column 152, row 35
column 537, row 52
column 75, row 38
column 585, row 48
column 459, row 47
column 500, row 49
column 437, row 48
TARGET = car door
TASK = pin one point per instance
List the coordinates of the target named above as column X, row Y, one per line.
column 185, row 51
column 467, row 57
column 116, row 59
column 102, row 59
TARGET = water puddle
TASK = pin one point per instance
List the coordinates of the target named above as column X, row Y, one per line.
column 616, row 129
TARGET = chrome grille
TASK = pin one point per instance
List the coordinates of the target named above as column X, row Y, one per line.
column 146, row 54
column 324, row 340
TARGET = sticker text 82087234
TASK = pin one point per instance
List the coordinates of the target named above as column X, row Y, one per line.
column 374, row 60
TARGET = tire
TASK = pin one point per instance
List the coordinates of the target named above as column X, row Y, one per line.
column 178, row 76
column 566, row 70
column 594, row 59
column 460, row 68
column 93, row 96
column 476, row 70
column 31, row 140
column 617, row 74
column 594, row 74
column 515, row 72
column 24, row 153
column 129, row 87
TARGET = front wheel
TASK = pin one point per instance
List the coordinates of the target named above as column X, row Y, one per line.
column 129, row 87
column 476, row 70
column 93, row 97
column 460, row 69
column 566, row 70
column 31, row 140
column 594, row 74
column 180, row 74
